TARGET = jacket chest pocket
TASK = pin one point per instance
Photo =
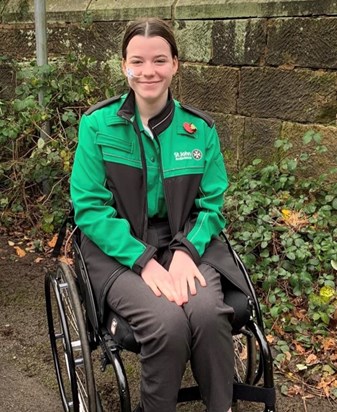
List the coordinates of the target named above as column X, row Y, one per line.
column 115, row 149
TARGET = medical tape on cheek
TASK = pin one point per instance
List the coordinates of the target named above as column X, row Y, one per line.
column 130, row 74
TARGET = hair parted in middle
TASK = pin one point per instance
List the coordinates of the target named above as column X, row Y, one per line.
column 149, row 27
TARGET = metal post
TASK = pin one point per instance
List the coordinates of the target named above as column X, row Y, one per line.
column 41, row 49
column 41, row 59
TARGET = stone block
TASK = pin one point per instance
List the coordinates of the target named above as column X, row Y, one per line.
column 304, row 42
column 296, row 95
column 100, row 40
column 7, row 82
column 259, row 139
column 238, row 42
column 318, row 163
column 194, row 39
column 209, row 88
column 213, row 9
column 17, row 43
column 86, row 11
column 230, row 129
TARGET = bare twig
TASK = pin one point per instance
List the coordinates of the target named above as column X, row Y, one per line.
column 304, row 404
column 52, row 189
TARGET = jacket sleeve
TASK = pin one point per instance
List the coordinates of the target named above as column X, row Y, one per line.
column 93, row 204
column 207, row 221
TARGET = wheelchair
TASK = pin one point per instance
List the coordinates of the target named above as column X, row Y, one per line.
column 77, row 339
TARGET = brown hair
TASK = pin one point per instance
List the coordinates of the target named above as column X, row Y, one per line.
column 149, row 27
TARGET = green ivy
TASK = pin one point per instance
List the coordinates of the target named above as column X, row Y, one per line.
column 285, row 229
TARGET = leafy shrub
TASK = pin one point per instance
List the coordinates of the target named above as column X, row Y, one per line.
column 38, row 141
column 285, row 229
column 283, row 226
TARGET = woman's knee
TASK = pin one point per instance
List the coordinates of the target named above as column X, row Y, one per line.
column 209, row 315
column 170, row 329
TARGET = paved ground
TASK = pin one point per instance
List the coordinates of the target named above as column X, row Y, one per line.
column 19, row 393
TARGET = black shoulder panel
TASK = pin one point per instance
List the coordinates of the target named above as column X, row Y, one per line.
column 104, row 103
column 198, row 113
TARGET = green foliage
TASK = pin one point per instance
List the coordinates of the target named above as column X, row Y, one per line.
column 37, row 141
column 283, row 226
column 285, row 229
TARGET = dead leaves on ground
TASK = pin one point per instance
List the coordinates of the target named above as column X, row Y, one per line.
column 295, row 220
column 310, row 369
column 23, row 246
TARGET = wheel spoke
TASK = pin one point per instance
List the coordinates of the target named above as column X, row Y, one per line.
column 69, row 340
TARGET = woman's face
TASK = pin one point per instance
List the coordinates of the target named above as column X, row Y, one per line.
column 150, row 67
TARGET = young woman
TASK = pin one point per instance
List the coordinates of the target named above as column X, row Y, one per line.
column 147, row 186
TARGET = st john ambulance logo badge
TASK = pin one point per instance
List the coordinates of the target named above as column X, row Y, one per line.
column 197, row 154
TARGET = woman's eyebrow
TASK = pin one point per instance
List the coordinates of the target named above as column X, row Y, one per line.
column 135, row 56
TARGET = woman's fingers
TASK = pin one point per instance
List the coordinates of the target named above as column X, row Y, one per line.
column 183, row 291
column 159, row 281
column 200, row 278
column 176, row 283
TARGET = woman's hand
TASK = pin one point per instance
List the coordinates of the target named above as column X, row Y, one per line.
column 183, row 272
column 159, row 280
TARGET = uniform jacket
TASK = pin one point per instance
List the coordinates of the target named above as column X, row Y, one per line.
column 121, row 179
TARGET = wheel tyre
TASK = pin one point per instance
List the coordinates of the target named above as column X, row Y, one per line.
column 245, row 358
column 61, row 291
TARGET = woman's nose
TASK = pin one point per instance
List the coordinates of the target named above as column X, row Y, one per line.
column 148, row 69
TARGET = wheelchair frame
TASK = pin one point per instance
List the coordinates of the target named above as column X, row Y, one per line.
column 75, row 333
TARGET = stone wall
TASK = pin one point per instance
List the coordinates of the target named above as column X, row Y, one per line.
column 262, row 68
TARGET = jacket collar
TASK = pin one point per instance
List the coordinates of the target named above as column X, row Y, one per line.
column 158, row 123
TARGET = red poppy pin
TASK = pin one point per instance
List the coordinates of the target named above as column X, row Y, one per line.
column 190, row 127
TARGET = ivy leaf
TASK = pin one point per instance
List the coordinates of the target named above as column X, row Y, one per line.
column 40, row 143
column 326, row 293
column 334, row 203
column 291, row 256
column 308, row 136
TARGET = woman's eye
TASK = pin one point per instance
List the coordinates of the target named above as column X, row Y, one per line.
column 135, row 62
column 160, row 61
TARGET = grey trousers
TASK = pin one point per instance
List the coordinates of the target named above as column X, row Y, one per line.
column 171, row 335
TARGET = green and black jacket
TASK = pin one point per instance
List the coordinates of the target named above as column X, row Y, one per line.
column 122, row 177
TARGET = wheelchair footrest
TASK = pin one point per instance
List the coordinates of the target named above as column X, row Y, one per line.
column 243, row 392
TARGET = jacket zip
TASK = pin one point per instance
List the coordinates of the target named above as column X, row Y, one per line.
column 144, row 168
column 162, row 175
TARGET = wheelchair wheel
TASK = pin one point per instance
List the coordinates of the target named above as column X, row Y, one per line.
column 245, row 357
column 69, row 342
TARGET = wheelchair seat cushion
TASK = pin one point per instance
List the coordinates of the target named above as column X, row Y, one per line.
column 242, row 308
column 121, row 332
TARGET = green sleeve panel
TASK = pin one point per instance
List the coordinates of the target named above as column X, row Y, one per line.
column 210, row 220
column 93, row 202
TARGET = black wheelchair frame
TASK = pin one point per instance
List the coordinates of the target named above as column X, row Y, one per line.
column 75, row 334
